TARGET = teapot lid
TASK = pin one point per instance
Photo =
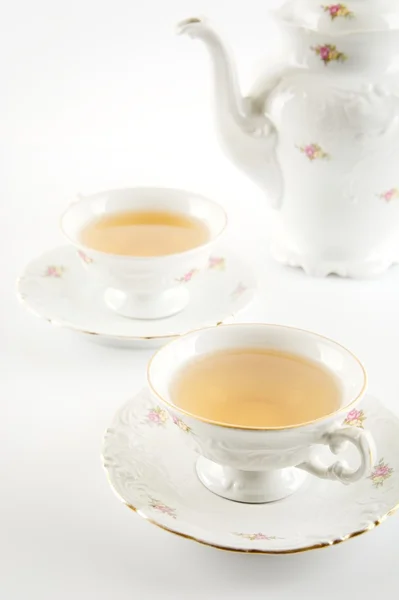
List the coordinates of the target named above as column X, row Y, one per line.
column 341, row 18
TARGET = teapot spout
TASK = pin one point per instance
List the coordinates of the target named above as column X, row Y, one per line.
column 228, row 95
column 248, row 135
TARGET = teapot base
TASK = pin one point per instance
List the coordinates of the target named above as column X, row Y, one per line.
column 316, row 266
column 251, row 487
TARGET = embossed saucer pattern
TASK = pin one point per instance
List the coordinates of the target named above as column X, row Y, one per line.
column 57, row 288
column 150, row 462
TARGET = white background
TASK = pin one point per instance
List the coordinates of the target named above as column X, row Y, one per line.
column 101, row 94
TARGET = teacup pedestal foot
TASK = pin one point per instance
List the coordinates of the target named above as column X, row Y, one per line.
column 252, row 487
column 147, row 306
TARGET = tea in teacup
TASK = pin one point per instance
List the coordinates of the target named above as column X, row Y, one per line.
column 255, row 387
column 143, row 245
column 144, row 233
column 259, row 400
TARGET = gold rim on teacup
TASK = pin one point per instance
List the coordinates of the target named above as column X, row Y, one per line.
column 342, row 409
column 144, row 287
column 144, row 189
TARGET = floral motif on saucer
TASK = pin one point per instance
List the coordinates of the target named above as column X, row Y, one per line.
column 152, row 470
column 54, row 271
column 382, row 471
column 217, row 295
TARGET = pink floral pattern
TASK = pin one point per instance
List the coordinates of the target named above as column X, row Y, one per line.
column 238, row 291
column 338, row 10
column 181, row 424
column 157, row 415
column 188, row 276
column 313, row 152
column 355, row 418
column 254, row 537
column 382, row 472
column 329, row 53
column 390, row 195
column 217, row 263
column 163, row 508
column 55, row 271
column 86, row 259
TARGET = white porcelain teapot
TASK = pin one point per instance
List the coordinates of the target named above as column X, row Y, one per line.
column 320, row 134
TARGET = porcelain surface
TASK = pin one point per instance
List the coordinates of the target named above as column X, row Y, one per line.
column 55, row 287
column 144, row 287
column 256, row 464
column 319, row 133
column 152, row 471
column 341, row 17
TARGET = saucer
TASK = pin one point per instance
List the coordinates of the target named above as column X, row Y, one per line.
column 57, row 288
column 151, row 467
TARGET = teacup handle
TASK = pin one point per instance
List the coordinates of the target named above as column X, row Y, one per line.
column 340, row 470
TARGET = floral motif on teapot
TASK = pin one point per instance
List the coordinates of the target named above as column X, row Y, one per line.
column 389, row 195
column 329, row 53
column 313, row 151
column 337, row 10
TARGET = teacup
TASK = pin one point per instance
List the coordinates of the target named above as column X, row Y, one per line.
column 265, row 464
column 144, row 287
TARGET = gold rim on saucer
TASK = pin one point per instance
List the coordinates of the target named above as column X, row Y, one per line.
column 65, row 325
column 328, row 544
